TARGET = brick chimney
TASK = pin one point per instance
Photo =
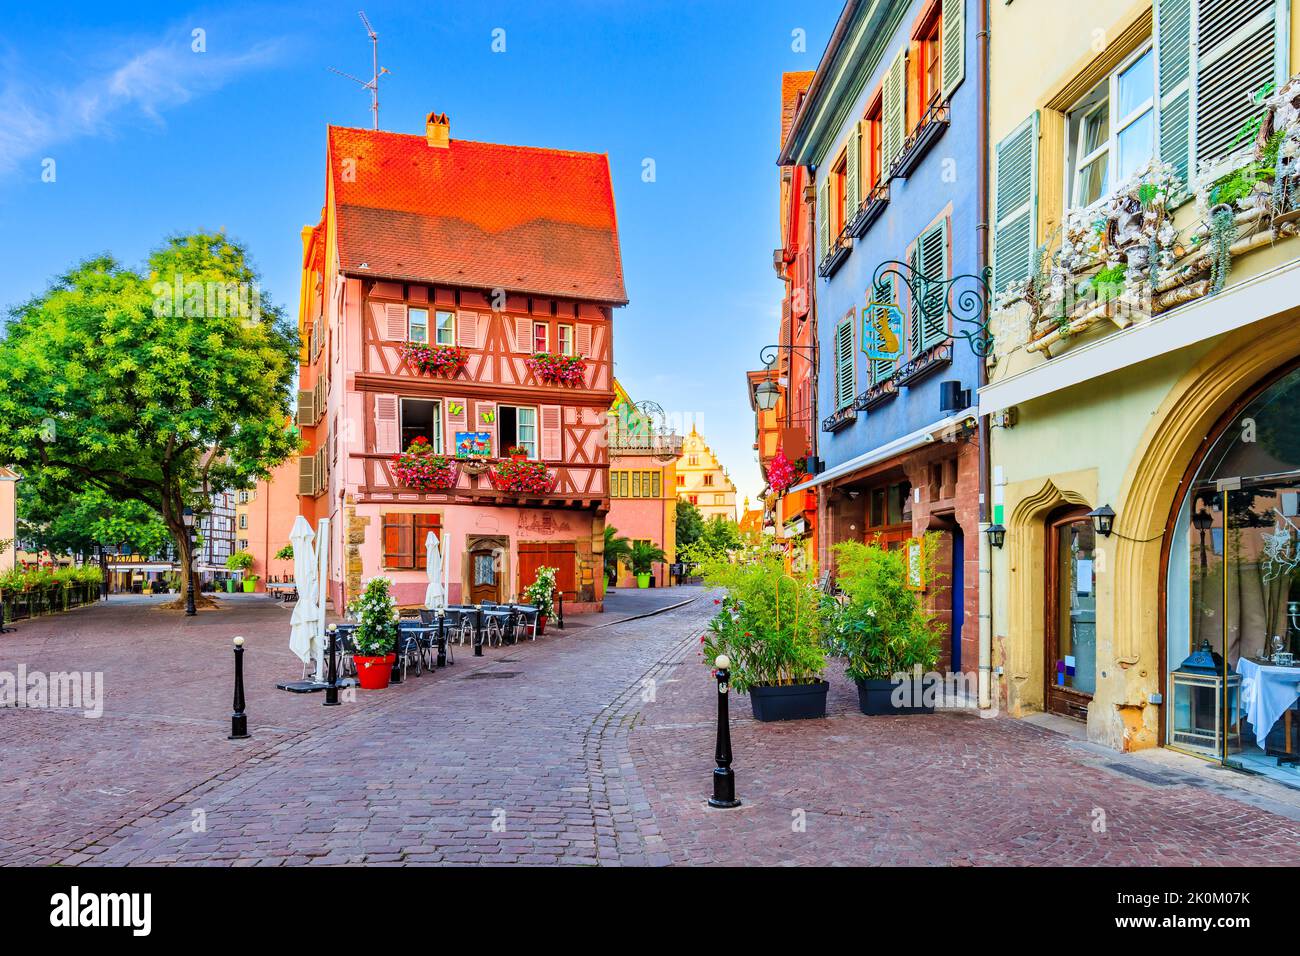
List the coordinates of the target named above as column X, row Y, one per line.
column 437, row 130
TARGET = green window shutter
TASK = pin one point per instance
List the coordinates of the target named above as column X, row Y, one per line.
column 851, row 173
column 1015, row 204
column 823, row 219
column 879, row 370
column 893, row 129
column 1238, row 47
column 1173, row 20
column 914, row 306
column 931, row 324
column 844, row 365
column 952, row 64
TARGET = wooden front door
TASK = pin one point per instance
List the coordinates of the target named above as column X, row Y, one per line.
column 484, row 576
column 1070, row 631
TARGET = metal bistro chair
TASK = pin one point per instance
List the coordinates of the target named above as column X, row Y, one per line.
column 345, row 647
column 460, row 625
column 408, row 647
column 429, row 619
column 497, row 623
column 526, row 621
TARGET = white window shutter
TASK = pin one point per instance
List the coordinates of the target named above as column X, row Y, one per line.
column 523, row 334
column 893, row 129
column 386, row 429
column 952, row 66
column 582, row 340
column 1015, row 205
column 457, row 420
column 467, row 326
column 1173, row 44
column 552, row 436
column 393, row 324
column 485, row 420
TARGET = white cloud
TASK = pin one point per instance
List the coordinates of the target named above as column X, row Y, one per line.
column 39, row 113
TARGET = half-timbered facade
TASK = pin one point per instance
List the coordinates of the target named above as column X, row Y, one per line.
column 500, row 261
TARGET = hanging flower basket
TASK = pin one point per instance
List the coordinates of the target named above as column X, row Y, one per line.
column 780, row 472
column 558, row 369
column 444, row 360
column 419, row 468
column 530, row 477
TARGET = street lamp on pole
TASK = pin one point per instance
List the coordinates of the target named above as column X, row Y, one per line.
column 188, row 517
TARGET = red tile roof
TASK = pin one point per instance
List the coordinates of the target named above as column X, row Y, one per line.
column 528, row 220
column 792, row 85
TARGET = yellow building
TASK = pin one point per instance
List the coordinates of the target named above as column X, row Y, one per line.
column 1147, row 363
column 703, row 481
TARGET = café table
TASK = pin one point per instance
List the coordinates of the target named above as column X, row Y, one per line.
column 1268, row 693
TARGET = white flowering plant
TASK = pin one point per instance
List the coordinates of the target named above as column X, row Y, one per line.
column 376, row 617
column 541, row 593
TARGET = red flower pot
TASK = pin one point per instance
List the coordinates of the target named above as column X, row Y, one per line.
column 518, row 457
column 541, row 624
column 373, row 672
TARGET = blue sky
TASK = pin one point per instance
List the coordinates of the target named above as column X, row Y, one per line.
column 149, row 138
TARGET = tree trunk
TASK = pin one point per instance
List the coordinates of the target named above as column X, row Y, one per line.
column 184, row 547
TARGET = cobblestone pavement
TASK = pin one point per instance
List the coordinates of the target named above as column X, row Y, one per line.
column 590, row 747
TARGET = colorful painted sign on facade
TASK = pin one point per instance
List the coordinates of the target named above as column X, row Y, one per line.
column 473, row 444
column 882, row 331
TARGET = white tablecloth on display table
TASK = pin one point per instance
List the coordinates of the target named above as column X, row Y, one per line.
column 1266, row 694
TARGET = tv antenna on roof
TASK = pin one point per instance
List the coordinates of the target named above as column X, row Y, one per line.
column 373, row 85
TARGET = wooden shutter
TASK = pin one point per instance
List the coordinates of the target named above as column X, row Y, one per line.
column 1015, row 205
column 879, row 370
column 523, row 334
column 894, row 113
column 423, row 525
column 823, row 218
column 457, row 421
column 1173, row 23
column 399, row 539
column 852, row 174
column 386, row 428
column 952, row 65
column 1237, row 53
column 306, row 406
column 392, row 322
column 582, row 340
column 467, row 330
column 551, row 445
column 929, row 321
column 306, row 475
column 489, row 409
column 844, row 365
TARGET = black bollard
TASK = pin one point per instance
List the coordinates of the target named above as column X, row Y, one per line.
column 442, row 639
column 396, row 676
column 332, row 688
column 724, row 780
column 478, row 632
column 238, row 719
column 560, row 621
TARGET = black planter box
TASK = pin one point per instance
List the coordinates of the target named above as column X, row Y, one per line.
column 789, row 701
column 876, row 698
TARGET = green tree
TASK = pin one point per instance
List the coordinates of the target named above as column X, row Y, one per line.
column 82, row 522
column 690, row 524
column 159, row 386
column 720, row 534
column 616, row 549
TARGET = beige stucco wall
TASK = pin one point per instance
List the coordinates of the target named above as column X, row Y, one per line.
column 8, row 503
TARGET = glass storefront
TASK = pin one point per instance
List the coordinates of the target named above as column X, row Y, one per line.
column 1233, row 594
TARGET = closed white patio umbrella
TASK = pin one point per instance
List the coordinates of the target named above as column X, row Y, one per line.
column 435, row 595
column 305, row 624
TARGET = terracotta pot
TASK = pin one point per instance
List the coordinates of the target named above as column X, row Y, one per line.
column 373, row 672
column 541, row 624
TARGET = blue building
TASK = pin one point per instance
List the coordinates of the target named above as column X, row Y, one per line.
column 891, row 132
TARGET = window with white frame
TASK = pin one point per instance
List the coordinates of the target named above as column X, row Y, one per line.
column 1111, row 131
column 517, row 428
column 445, row 328
column 421, row 417
column 417, row 325
column 565, row 339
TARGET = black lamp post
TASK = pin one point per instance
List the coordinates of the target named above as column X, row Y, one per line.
column 188, row 517
column 1103, row 519
column 1202, row 521
column 997, row 535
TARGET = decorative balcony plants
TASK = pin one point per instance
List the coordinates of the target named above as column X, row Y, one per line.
column 517, row 453
column 443, row 360
column 887, row 637
column 420, row 469
column 780, row 472
column 558, row 369
column 529, row 477
column 375, row 635
column 770, row 624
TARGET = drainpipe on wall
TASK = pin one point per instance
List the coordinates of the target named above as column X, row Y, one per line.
column 982, row 251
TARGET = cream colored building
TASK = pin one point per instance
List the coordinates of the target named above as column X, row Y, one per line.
column 703, row 481
column 1147, row 364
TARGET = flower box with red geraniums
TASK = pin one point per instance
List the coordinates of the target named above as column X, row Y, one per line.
column 444, row 360
column 558, row 369
column 530, row 477
column 419, row 468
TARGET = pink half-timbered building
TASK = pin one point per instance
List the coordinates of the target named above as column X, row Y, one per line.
column 494, row 263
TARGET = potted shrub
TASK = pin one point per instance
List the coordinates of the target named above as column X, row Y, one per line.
column 541, row 595
column 616, row 549
column 250, row 583
column 239, row 562
column 770, row 624
column 643, row 556
column 884, row 631
column 376, row 633
column 517, row 453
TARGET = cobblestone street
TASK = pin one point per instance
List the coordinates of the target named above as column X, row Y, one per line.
column 590, row 746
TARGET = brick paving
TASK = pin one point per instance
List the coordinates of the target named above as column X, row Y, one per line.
column 591, row 747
